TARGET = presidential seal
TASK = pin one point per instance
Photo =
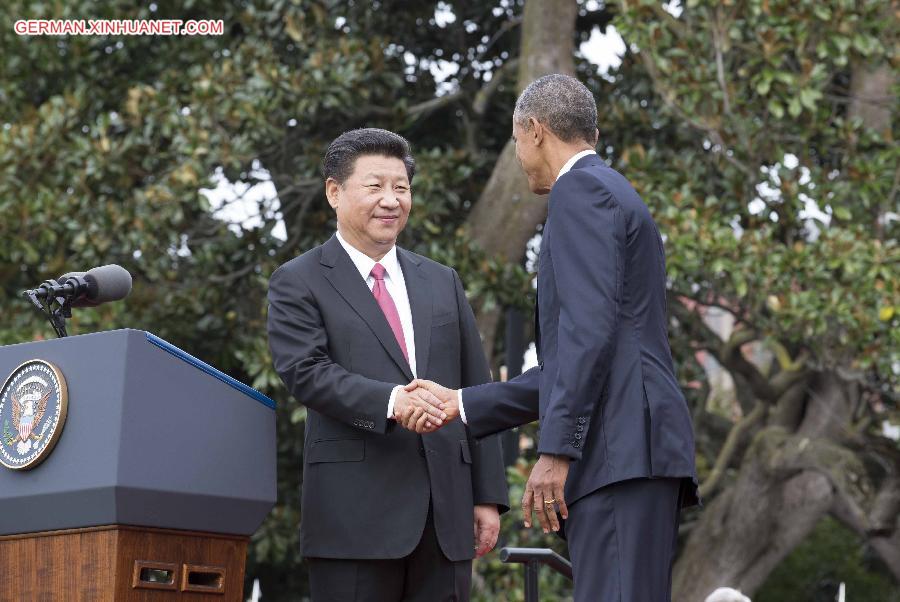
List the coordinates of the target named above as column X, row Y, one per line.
column 33, row 405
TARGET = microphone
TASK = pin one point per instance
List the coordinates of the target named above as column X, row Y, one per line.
column 87, row 289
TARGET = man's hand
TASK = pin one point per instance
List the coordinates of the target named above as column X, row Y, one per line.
column 418, row 410
column 544, row 491
column 449, row 399
column 487, row 528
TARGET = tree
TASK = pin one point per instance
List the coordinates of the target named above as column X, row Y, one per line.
column 106, row 142
column 764, row 109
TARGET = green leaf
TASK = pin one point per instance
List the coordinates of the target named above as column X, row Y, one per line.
column 841, row 213
column 298, row 415
column 808, row 97
column 822, row 11
column 775, row 108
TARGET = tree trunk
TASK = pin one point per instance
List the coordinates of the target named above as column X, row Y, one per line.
column 507, row 214
column 745, row 532
column 786, row 483
column 872, row 101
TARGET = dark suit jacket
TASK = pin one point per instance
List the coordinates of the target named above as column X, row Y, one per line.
column 367, row 481
column 604, row 389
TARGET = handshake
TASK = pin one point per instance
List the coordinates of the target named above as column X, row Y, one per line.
column 424, row 406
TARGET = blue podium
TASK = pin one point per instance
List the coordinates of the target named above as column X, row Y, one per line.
column 130, row 471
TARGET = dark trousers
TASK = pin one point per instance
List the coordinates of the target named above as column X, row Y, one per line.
column 622, row 541
column 424, row 576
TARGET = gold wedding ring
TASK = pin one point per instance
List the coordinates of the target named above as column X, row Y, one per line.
column 550, row 502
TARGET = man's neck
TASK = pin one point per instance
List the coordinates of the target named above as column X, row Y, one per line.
column 374, row 254
column 560, row 154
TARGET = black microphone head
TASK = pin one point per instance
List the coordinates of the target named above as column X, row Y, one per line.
column 65, row 277
column 105, row 283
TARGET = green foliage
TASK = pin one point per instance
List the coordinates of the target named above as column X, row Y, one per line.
column 830, row 556
column 752, row 124
column 106, row 142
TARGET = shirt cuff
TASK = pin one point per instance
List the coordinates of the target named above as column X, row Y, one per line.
column 393, row 398
column 462, row 409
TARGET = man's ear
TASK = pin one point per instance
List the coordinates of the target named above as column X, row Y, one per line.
column 596, row 137
column 536, row 131
column 332, row 187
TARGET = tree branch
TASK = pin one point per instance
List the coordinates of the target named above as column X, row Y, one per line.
column 789, row 408
column 668, row 97
column 480, row 104
column 885, row 508
column 849, row 511
column 720, row 63
column 735, row 438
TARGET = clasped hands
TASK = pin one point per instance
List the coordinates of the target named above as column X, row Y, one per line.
column 424, row 406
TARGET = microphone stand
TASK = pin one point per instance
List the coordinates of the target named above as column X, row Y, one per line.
column 57, row 307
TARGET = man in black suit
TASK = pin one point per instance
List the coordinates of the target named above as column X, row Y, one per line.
column 616, row 444
column 388, row 514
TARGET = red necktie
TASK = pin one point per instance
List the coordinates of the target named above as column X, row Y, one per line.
column 386, row 303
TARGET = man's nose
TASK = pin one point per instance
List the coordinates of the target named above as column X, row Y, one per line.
column 389, row 199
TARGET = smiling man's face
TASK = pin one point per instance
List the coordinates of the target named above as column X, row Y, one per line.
column 372, row 204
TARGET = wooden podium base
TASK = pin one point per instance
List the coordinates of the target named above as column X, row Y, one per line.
column 118, row 563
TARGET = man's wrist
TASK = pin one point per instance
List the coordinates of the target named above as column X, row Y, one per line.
column 391, row 400
column 560, row 457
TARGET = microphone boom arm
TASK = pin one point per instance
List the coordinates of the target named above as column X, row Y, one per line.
column 55, row 308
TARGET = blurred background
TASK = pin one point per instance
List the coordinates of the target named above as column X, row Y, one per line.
column 761, row 133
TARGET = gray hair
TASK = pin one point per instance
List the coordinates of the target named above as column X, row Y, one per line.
column 726, row 594
column 562, row 104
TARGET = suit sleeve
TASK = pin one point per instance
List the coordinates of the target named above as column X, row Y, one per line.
column 488, row 471
column 299, row 346
column 587, row 248
column 495, row 407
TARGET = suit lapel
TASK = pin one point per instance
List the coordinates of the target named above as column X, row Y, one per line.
column 345, row 278
column 418, row 288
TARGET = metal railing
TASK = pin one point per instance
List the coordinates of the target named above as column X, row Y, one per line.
column 532, row 559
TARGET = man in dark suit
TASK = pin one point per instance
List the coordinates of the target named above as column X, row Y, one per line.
column 616, row 444
column 388, row 514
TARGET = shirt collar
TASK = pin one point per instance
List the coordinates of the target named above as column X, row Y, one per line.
column 364, row 263
column 573, row 161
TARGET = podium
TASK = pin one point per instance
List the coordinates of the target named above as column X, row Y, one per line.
column 161, row 469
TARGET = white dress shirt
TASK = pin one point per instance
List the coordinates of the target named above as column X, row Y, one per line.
column 573, row 161
column 565, row 169
column 396, row 287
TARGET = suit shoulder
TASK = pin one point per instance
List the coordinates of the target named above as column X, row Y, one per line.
column 605, row 184
column 582, row 188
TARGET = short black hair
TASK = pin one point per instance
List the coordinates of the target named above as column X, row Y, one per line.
column 344, row 150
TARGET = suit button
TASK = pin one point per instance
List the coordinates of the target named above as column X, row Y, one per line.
column 422, row 451
column 579, row 428
column 578, row 435
column 581, row 420
column 576, row 444
column 541, row 365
